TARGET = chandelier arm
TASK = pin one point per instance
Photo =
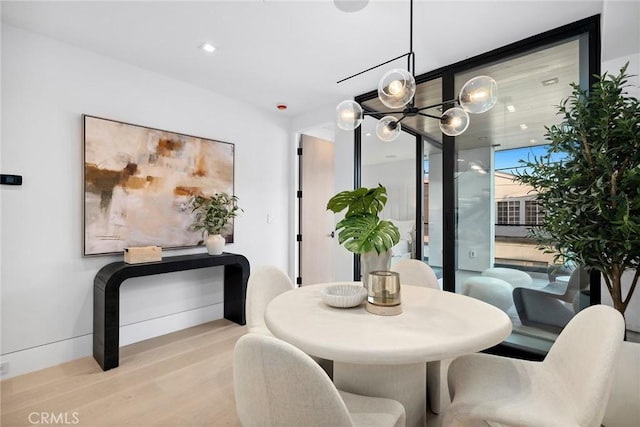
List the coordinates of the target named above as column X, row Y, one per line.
column 375, row 66
column 451, row 101
column 373, row 113
column 404, row 116
column 430, row 115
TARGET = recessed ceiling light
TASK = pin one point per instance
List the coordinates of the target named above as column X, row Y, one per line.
column 208, row 47
column 367, row 134
column 532, row 141
column 511, row 108
column 482, row 138
column 524, row 126
column 550, row 82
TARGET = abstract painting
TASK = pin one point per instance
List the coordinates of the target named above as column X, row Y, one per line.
column 138, row 182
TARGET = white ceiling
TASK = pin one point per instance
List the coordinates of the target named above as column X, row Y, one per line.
column 293, row 52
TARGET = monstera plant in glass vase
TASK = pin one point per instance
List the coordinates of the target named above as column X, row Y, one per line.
column 361, row 231
column 213, row 216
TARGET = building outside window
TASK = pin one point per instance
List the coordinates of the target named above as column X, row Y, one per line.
column 508, row 212
column 533, row 214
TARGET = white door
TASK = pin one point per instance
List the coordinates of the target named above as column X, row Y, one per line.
column 316, row 222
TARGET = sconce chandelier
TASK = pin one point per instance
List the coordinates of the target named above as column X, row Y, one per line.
column 396, row 90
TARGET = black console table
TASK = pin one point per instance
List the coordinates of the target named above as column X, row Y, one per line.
column 106, row 295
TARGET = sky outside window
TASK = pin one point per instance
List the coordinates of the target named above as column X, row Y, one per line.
column 508, row 161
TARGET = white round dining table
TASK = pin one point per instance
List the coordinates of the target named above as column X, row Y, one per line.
column 385, row 355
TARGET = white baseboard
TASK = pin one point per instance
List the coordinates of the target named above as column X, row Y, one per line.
column 164, row 325
column 47, row 355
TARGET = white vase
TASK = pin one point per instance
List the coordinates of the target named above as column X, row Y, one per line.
column 215, row 244
column 372, row 261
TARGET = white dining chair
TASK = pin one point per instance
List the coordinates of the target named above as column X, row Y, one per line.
column 276, row 384
column 265, row 283
column 418, row 273
column 569, row 388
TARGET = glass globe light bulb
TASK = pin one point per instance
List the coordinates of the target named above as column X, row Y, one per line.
column 388, row 129
column 349, row 115
column 479, row 94
column 454, row 121
column 396, row 88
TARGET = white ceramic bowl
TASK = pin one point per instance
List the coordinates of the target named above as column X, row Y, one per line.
column 344, row 295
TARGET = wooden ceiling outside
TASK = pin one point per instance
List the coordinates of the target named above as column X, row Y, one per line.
column 520, row 85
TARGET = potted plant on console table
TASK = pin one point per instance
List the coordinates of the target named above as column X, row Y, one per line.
column 213, row 216
column 362, row 231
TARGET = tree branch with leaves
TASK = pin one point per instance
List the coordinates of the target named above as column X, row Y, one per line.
column 591, row 198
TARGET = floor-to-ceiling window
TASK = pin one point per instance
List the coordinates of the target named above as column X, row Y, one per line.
column 474, row 214
column 494, row 212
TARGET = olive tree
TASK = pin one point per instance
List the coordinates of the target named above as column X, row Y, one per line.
column 591, row 198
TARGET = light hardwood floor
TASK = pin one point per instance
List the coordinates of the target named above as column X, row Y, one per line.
column 180, row 379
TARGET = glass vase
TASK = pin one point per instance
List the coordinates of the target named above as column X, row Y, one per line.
column 372, row 261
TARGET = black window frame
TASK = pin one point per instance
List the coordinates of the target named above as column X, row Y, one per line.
column 589, row 27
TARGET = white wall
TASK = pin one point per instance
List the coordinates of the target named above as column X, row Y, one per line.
column 46, row 284
column 623, row 409
column 613, row 67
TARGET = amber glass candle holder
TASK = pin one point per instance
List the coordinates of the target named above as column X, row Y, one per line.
column 383, row 293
